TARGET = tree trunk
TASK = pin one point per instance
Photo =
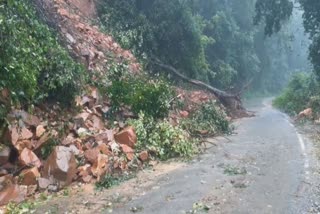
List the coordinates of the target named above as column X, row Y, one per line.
column 231, row 101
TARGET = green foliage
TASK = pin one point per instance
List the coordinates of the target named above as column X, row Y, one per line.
column 301, row 93
column 111, row 180
column 166, row 29
column 140, row 93
column 22, row 208
column 273, row 13
column 47, row 149
column 33, row 64
column 209, row 118
column 162, row 138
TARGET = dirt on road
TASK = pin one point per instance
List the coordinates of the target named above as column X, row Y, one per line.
column 266, row 167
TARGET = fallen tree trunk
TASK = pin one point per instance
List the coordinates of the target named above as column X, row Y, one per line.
column 231, row 101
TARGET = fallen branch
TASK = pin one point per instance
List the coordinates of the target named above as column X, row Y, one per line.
column 231, row 101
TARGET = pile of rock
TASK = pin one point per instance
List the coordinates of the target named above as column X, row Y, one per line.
column 86, row 152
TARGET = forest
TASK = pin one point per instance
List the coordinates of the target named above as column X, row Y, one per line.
column 133, row 81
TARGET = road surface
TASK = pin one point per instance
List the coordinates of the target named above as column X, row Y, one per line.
column 266, row 167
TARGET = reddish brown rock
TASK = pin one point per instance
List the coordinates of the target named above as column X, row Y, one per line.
column 85, row 173
column 128, row 151
column 84, row 170
column 306, row 113
column 40, row 131
column 100, row 168
column 106, row 136
column 4, row 155
column 9, row 191
column 43, row 139
column 104, row 149
column 91, row 155
column 127, row 137
column 97, row 123
column 25, row 134
column 143, row 156
column 28, row 158
column 29, row 176
column 60, row 166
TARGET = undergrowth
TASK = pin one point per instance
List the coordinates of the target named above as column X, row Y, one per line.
column 163, row 139
column 109, row 181
column 209, row 119
column 302, row 92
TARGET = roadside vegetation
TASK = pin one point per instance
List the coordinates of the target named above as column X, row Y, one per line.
column 301, row 93
column 112, row 119
column 50, row 103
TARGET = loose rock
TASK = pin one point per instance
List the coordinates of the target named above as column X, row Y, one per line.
column 61, row 166
column 29, row 176
column 127, row 137
column 28, row 158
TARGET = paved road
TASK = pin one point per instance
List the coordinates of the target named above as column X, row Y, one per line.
column 267, row 167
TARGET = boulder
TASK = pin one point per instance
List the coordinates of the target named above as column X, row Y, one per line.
column 127, row 137
column 29, row 176
column 28, row 158
column 9, row 191
column 60, row 166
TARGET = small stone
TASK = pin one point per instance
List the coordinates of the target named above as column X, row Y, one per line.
column 43, row 183
column 104, row 149
column 40, row 131
column 100, row 168
column 91, row 155
column 128, row 151
column 143, row 156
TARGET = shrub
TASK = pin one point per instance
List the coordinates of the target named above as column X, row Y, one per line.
column 33, row 64
column 209, row 118
column 300, row 94
column 162, row 138
column 140, row 93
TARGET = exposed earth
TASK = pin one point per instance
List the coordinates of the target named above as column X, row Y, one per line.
column 267, row 166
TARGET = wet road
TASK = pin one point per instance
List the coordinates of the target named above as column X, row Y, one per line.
column 267, row 167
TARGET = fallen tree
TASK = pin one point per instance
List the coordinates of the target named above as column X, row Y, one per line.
column 231, row 101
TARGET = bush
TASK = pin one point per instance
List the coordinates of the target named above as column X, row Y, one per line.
column 141, row 94
column 162, row 138
column 33, row 64
column 209, row 118
column 301, row 93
